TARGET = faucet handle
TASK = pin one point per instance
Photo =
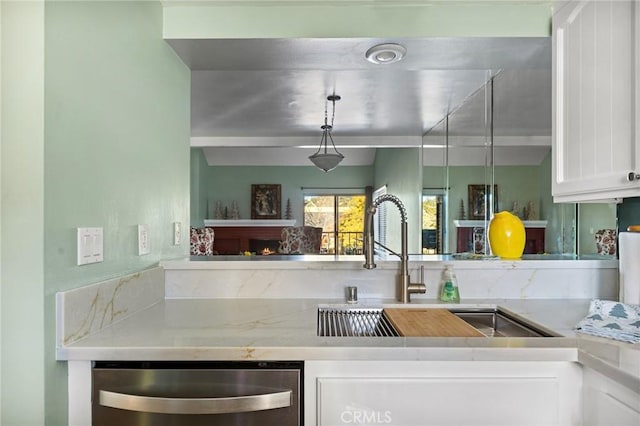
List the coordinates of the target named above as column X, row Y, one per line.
column 416, row 288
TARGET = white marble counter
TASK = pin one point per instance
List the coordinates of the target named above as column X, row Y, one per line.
column 236, row 329
column 285, row 329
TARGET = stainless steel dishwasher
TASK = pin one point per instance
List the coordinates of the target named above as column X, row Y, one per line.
column 197, row 393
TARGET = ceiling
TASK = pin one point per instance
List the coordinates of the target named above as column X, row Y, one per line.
column 254, row 99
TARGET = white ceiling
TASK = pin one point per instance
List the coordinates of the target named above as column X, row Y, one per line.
column 251, row 96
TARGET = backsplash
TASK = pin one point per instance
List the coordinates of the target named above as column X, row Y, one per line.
column 86, row 310
column 545, row 279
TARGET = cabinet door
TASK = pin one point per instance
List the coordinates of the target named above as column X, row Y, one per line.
column 594, row 141
column 607, row 403
column 442, row 393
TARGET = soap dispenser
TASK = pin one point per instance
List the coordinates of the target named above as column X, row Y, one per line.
column 449, row 292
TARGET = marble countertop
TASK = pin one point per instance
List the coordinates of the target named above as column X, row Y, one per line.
column 285, row 329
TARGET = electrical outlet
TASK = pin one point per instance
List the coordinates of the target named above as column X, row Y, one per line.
column 177, row 233
column 144, row 244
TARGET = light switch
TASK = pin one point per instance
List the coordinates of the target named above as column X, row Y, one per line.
column 177, row 233
column 90, row 246
column 144, row 244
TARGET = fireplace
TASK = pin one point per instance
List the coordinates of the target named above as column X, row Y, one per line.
column 258, row 245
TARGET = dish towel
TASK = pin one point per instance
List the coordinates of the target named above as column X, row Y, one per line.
column 615, row 320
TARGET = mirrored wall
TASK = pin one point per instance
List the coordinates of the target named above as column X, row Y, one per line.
column 493, row 153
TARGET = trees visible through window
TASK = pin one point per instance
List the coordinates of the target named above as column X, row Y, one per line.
column 432, row 235
column 341, row 218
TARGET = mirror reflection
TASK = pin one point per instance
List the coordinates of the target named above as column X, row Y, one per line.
column 485, row 148
column 488, row 164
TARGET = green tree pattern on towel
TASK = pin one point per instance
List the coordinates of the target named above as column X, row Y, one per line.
column 614, row 326
column 618, row 311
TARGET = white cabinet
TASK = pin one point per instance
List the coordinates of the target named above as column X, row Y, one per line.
column 422, row 393
column 607, row 403
column 595, row 90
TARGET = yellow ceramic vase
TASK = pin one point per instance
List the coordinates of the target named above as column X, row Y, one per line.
column 507, row 236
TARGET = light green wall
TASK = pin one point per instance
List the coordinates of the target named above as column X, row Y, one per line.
column 22, row 278
column 199, row 184
column 399, row 169
column 519, row 184
column 591, row 218
column 228, row 183
column 382, row 19
column 95, row 113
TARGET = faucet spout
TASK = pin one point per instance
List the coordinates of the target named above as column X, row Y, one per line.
column 405, row 287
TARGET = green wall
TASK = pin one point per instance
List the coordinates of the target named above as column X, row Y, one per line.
column 629, row 213
column 275, row 19
column 199, row 185
column 99, row 136
column 22, row 247
column 229, row 183
column 399, row 169
column 519, row 184
column 523, row 184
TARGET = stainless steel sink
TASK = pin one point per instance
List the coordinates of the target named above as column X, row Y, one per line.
column 354, row 321
column 336, row 322
column 499, row 323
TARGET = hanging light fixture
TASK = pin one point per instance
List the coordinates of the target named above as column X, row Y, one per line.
column 323, row 159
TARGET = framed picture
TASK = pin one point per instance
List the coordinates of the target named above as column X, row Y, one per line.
column 479, row 195
column 265, row 201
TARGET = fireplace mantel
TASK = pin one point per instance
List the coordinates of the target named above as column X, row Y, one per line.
column 249, row 222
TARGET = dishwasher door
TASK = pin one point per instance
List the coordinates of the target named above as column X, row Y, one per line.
column 200, row 393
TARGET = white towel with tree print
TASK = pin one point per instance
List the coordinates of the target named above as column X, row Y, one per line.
column 615, row 320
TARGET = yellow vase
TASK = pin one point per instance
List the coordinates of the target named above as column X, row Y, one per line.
column 507, row 236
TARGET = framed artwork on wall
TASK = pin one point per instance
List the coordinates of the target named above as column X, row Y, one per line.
column 265, row 201
column 479, row 195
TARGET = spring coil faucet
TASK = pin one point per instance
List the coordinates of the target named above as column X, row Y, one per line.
column 404, row 286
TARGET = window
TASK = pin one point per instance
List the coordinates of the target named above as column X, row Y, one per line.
column 432, row 222
column 341, row 217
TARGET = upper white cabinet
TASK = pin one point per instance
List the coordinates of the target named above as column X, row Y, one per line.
column 596, row 94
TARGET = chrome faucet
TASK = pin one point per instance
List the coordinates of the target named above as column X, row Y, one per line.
column 405, row 288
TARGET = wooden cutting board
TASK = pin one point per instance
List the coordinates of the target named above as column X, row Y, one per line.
column 429, row 322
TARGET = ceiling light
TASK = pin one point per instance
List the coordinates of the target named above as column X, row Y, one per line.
column 323, row 159
column 387, row 53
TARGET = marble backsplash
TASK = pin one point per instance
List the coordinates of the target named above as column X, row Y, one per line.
column 86, row 310
column 547, row 279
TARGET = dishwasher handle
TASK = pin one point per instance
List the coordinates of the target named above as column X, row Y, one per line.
column 166, row 405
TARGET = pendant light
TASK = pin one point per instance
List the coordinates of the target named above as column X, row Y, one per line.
column 323, row 159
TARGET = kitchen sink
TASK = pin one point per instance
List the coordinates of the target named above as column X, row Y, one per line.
column 351, row 322
column 373, row 322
